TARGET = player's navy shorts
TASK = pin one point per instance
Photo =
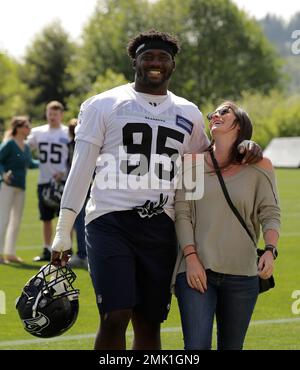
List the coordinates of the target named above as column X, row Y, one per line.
column 46, row 213
column 131, row 261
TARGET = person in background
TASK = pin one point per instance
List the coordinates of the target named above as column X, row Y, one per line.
column 78, row 259
column 216, row 273
column 15, row 158
column 51, row 142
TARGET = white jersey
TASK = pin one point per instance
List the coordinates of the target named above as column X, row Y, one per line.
column 52, row 147
column 126, row 128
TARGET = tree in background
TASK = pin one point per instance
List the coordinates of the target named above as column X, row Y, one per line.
column 274, row 29
column 104, row 82
column 12, row 90
column 45, row 68
column 273, row 115
column 223, row 51
column 104, row 40
column 106, row 35
column 279, row 33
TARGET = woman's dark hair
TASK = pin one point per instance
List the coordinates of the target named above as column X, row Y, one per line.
column 152, row 35
column 245, row 132
column 72, row 124
column 16, row 122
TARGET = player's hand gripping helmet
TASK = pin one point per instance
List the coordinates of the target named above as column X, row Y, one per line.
column 48, row 305
column 52, row 194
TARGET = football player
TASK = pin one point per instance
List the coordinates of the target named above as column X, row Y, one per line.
column 131, row 241
column 51, row 142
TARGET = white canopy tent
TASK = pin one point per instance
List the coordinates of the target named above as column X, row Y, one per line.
column 284, row 152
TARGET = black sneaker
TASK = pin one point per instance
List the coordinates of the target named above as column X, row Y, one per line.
column 46, row 256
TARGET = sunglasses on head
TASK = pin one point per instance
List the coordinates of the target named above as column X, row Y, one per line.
column 221, row 112
column 23, row 125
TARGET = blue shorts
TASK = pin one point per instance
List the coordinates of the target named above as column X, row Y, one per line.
column 46, row 213
column 131, row 261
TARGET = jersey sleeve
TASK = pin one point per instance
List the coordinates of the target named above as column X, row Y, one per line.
column 199, row 141
column 79, row 179
column 91, row 124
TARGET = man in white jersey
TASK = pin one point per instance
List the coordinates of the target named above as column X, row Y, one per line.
column 130, row 234
column 51, row 142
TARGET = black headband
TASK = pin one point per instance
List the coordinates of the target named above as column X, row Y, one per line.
column 155, row 44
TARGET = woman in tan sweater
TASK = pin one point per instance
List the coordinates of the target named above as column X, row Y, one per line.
column 216, row 273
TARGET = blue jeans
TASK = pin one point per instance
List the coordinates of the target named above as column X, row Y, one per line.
column 230, row 297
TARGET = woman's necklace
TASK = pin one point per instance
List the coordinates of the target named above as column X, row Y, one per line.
column 226, row 168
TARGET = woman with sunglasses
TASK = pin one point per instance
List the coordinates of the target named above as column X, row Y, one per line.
column 15, row 158
column 216, row 273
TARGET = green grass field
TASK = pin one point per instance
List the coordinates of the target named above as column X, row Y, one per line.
column 273, row 326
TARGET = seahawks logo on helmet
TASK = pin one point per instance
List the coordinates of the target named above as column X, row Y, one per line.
column 36, row 324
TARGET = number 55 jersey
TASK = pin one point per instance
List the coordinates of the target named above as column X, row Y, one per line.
column 52, row 147
column 141, row 139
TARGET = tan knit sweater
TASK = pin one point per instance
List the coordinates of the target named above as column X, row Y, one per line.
column 222, row 243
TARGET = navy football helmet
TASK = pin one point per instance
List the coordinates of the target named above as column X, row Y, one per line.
column 48, row 305
column 52, row 194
